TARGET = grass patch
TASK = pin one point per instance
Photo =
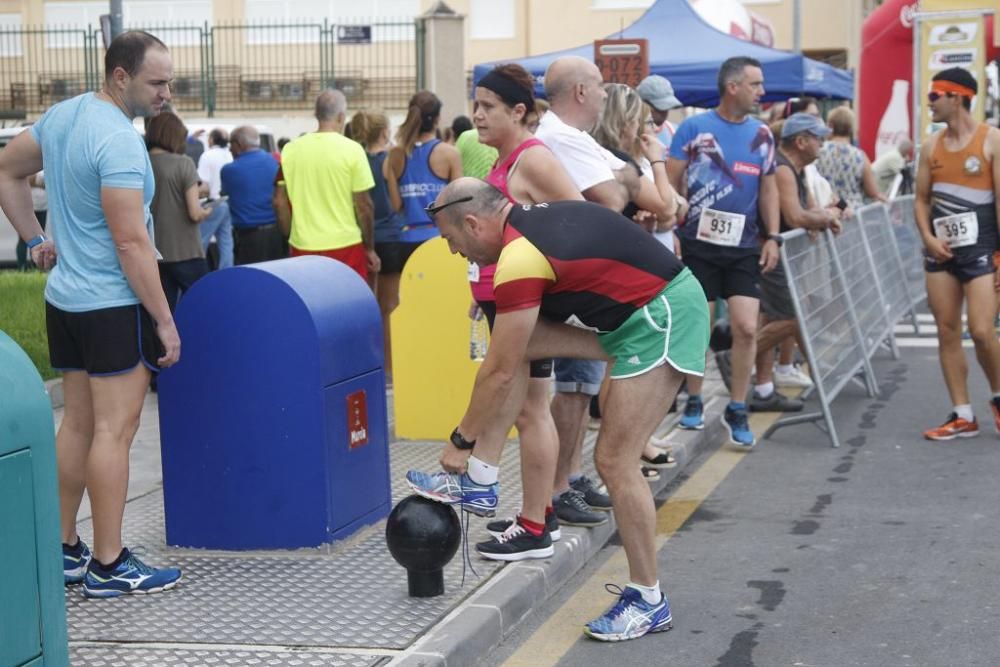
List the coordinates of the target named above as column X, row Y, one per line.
column 22, row 315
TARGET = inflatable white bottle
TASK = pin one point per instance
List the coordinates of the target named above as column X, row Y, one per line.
column 895, row 123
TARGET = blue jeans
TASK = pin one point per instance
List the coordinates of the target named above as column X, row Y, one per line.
column 579, row 376
column 219, row 224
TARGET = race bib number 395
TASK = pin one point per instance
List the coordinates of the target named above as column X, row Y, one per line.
column 959, row 230
column 721, row 227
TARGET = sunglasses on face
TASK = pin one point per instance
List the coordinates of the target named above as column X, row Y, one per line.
column 433, row 210
column 934, row 97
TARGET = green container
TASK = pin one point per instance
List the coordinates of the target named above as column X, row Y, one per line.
column 32, row 606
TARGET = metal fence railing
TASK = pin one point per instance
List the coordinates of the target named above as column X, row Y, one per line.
column 226, row 67
column 849, row 290
column 904, row 229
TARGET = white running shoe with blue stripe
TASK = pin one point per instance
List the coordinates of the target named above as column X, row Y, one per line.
column 452, row 489
column 75, row 562
column 130, row 576
column 630, row 618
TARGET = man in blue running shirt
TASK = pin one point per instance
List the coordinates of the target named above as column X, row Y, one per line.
column 723, row 162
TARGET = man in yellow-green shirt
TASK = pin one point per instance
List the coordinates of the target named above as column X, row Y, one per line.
column 477, row 158
column 325, row 179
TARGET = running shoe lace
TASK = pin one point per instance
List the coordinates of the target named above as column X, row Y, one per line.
column 622, row 603
column 514, row 531
column 134, row 561
column 738, row 420
column 577, row 500
column 466, row 558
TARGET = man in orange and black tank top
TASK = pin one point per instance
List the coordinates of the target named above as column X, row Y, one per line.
column 956, row 213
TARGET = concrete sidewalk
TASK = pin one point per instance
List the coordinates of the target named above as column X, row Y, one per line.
column 343, row 604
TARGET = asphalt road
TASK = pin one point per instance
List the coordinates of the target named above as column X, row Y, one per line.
column 881, row 553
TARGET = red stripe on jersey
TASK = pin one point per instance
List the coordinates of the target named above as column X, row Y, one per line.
column 520, row 294
column 608, row 277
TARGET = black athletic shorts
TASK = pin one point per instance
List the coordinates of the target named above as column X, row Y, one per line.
column 540, row 368
column 965, row 267
column 108, row 341
column 970, row 262
column 394, row 254
column 722, row 271
column 775, row 296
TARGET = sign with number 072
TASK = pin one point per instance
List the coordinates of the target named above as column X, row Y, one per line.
column 622, row 60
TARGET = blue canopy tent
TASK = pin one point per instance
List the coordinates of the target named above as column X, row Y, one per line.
column 688, row 51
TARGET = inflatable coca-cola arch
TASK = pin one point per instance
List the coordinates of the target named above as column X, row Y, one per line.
column 886, row 70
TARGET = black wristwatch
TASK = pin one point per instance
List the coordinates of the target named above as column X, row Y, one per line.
column 777, row 238
column 460, row 442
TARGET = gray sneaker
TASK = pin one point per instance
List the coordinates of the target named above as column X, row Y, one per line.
column 573, row 510
column 776, row 402
column 591, row 495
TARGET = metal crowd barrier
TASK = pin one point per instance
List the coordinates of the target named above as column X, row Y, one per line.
column 849, row 290
column 910, row 247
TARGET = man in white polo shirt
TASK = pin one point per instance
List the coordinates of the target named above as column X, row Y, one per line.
column 219, row 222
column 575, row 91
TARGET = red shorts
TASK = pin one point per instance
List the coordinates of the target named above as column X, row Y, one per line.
column 353, row 255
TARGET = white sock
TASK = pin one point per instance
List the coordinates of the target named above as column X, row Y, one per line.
column 964, row 411
column 482, row 473
column 785, row 368
column 764, row 390
column 651, row 594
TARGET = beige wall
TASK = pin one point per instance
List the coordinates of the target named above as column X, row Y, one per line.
column 827, row 25
column 550, row 25
column 547, row 25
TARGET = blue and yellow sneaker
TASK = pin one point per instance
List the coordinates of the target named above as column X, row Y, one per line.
column 131, row 575
column 452, row 489
column 75, row 562
column 630, row 618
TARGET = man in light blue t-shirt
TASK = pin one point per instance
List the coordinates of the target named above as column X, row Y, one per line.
column 723, row 162
column 107, row 318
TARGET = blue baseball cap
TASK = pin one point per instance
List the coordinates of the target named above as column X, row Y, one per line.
column 801, row 122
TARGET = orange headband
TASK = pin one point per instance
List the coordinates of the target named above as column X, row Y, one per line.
column 944, row 87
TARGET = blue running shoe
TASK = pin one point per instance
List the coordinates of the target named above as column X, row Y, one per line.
column 738, row 425
column 451, row 489
column 693, row 418
column 75, row 562
column 131, row 575
column 630, row 618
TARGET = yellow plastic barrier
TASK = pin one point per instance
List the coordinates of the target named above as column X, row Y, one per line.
column 432, row 369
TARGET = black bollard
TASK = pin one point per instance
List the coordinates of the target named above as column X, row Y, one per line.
column 423, row 535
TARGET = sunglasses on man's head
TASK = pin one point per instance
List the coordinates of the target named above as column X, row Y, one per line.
column 934, row 97
column 433, row 210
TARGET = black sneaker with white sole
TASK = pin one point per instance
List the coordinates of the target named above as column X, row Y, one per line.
column 495, row 528
column 573, row 510
column 515, row 544
column 591, row 494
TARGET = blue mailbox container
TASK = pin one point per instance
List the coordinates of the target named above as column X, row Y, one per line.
column 274, row 430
